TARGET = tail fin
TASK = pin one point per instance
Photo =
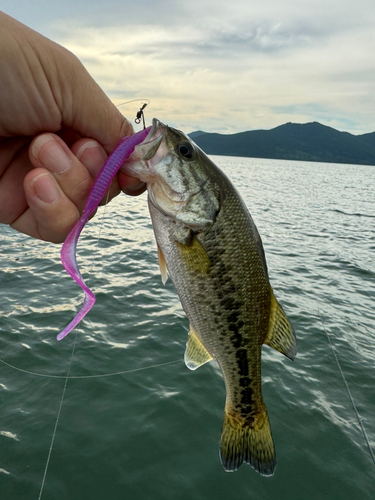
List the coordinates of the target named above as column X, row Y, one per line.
column 250, row 443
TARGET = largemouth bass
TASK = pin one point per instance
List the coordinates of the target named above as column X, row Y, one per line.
column 210, row 247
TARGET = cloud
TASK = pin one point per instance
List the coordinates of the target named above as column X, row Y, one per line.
column 225, row 66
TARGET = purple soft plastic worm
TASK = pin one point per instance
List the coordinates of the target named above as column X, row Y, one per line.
column 102, row 183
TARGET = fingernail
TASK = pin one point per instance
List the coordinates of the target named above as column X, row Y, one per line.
column 87, row 145
column 50, row 154
column 91, row 155
column 45, row 188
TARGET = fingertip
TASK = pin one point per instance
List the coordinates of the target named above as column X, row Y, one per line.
column 131, row 185
column 87, row 145
column 135, row 192
column 50, row 152
column 40, row 186
column 45, row 188
column 91, row 154
column 51, row 214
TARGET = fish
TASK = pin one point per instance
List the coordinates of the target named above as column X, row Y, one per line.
column 209, row 246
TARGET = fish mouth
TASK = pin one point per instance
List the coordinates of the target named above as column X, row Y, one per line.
column 138, row 164
column 155, row 126
column 147, row 149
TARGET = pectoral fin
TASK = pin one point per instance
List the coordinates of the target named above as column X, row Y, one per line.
column 162, row 266
column 195, row 256
column 280, row 335
column 196, row 354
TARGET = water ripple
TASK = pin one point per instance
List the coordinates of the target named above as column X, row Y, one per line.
column 153, row 433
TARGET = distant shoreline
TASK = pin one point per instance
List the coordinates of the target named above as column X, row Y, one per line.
column 292, row 141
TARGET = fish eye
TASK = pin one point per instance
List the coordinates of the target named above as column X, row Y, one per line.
column 186, row 150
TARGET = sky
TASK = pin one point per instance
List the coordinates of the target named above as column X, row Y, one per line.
column 222, row 66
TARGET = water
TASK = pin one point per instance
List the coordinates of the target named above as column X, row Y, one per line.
column 153, row 433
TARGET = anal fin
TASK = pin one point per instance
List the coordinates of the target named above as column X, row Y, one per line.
column 196, row 354
column 280, row 334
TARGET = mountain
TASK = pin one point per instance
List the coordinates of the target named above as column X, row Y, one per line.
column 197, row 133
column 293, row 141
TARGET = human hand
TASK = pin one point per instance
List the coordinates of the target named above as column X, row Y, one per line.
column 56, row 129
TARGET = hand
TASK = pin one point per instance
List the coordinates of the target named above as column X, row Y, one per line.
column 56, row 129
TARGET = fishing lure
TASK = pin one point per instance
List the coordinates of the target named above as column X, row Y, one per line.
column 102, row 183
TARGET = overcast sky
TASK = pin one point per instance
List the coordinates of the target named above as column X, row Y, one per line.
column 223, row 66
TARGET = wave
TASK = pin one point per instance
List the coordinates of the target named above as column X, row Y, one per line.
column 351, row 215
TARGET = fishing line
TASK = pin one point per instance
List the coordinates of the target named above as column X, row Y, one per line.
column 101, row 223
column 133, row 100
column 67, row 377
column 71, row 377
column 68, row 371
column 57, row 418
column 348, row 390
column 140, row 114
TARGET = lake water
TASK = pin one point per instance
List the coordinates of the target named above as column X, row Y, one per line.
column 134, row 422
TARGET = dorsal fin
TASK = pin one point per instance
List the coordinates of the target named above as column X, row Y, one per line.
column 162, row 266
column 196, row 354
column 280, row 334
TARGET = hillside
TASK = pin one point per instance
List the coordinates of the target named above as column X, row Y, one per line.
column 293, row 141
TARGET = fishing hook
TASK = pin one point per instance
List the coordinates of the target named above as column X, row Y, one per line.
column 140, row 116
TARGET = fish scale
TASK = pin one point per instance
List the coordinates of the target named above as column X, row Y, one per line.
column 223, row 304
column 210, row 247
